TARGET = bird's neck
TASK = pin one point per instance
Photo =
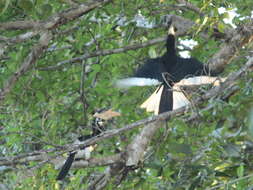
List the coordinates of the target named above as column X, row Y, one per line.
column 170, row 45
column 169, row 59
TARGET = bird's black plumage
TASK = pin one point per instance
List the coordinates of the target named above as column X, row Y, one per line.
column 153, row 68
column 65, row 168
column 166, row 100
column 97, row 128
column 99, row 122
column 176, row 67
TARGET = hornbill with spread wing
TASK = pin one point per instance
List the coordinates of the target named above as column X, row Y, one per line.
column 167, row 71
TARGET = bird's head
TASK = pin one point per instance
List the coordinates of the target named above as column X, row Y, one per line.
column 171, row 29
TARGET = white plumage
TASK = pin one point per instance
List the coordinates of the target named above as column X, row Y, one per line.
column 152, row 103
column 135, row 81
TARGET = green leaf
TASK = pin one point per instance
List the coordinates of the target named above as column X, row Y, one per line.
column 46, row 10
column 180, row 148
column 250, row 123
column 96, row 67
column 152, row 53
column 26, row 5
column 4, row 6
column 221, row 27
column 240, row 171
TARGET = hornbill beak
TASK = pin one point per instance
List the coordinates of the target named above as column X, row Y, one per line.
column 172, row 30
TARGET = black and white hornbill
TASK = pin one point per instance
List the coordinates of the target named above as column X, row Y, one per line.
column 98, row 126
column 169, row 72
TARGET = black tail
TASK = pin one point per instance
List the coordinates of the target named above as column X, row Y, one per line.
column 166, row 100
column 65, row 168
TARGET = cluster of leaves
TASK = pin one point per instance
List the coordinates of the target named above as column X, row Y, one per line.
column 53, row 105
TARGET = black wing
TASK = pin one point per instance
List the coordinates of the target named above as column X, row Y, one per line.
column 152, row 69
column 186, row 68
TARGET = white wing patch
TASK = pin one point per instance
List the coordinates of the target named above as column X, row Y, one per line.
column 200, row 80
column 136, row 81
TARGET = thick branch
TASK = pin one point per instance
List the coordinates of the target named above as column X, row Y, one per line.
column 101, row 161
column 55, row 20
column 17, row 25
column 228, row 50
column 19, row 38
column 135, row 150
column 190, row 6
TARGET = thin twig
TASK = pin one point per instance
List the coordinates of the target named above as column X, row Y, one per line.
column 104, row 52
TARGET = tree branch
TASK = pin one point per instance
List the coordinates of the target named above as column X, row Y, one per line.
column 135, row 150
column 105, row 52
column 190, row 6
column 19, row 38
column 55, row 20
column 228, row 50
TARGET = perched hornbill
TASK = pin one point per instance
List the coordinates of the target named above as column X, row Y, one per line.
column 169, row 72
column 98, row 126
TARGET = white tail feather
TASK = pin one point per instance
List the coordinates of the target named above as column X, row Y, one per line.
column 153, row 102
column 179, row 99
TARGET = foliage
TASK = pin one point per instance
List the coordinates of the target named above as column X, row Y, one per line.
column 55, row 105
